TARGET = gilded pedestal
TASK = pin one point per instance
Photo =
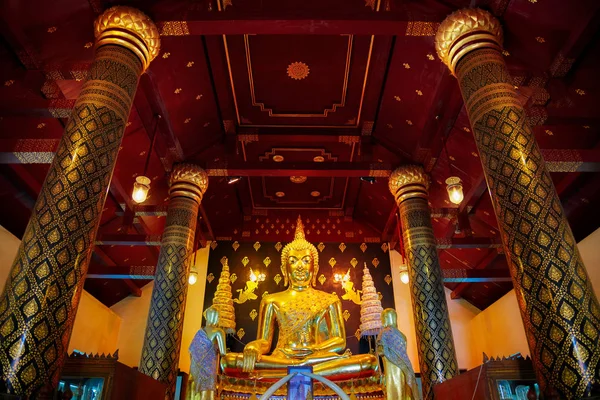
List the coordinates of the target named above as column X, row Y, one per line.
column 38, row 306
column 162, row 341
column 437, row 356
column 558, row 306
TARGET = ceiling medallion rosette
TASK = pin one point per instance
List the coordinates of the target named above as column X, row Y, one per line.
column 298, row 70
column 298, row 179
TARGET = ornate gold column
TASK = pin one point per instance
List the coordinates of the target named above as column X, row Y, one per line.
column 162, row 342
column 437, row 356
column 558, row 306
column 40, row 299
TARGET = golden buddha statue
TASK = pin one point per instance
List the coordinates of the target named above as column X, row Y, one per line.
column 311, row 328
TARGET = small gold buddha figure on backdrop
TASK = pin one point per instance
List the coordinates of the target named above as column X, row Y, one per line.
column 311, row 327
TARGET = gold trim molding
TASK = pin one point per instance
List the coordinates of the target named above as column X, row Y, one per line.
column 188, row 180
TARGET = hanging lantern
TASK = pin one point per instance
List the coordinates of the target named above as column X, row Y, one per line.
column 140, row 189
column 404, row 276
column 455, row 189
column 193, row 278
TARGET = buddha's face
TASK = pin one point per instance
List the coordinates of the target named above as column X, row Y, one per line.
column 300, row 267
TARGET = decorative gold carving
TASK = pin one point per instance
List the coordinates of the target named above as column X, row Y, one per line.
column 421, row 28
column 322, row 279
column 173, row 28
column 233, row 278
column 240, row 333
column 350, row 293
column 363, row 247
column 188, row 180
column 321, row 247
column 357, row 334
column 407, row 182
column 235, row 245
column 388, row 279
column 375, row 262
column 278, row 246
column 210, row 277
column 247, row 293
column 342, row 247
column 253, row 314
column 298, row 70
column 267, row 261
column 130, row 28
column 354, row 262
column 346, row 315
column 385, row 247
column 277, row 278
column 332, row 262
column 466, row 30
column 245, row 261
column 298, row 179
column 256, row 246
column 214, row 244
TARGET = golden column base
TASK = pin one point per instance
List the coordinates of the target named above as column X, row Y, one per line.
column 437, row 355
column 162, row 341
column 558, row 306
column 38, row 306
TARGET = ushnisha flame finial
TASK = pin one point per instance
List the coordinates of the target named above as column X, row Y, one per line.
column 299, row 235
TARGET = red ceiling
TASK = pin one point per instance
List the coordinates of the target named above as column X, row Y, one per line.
column 375, row 94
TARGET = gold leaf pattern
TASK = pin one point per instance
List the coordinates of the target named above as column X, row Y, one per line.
column 346, row 315
column 253, row 314
column 384, row 247
column 213, row 244
column 224, row 261
column 256, row 246
column 375, row 262
column 388, row 279
column 277, row 278
column 332, row 262
column 357, row 334
column 321, row 247
column 233, row 278
column 342, row 247
column 322, row 279
column 363, row 247
column 354, row 262
column 278, row 246
column 245, row 261
column 235, row 245
column 240, row 333
column 210, row 277
column 267, row 262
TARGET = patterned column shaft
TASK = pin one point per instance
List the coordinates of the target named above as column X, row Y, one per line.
column 558, row 306
column 162, row 342
column 437, row 356
column 40, row 299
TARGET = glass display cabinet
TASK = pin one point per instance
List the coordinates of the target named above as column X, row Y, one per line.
column 496, row 379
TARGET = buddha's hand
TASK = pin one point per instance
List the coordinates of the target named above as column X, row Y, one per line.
column 251, row 355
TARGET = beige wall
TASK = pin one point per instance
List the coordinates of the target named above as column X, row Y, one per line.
column 134, row 314
column 9, row 245
column 589, row 248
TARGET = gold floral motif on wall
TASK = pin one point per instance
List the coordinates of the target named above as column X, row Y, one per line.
column 224, row 261
column 363, row 247
column 321, row 247
column 267, row 262
column 332, row 262
column 342, row 247
column 322, row 279
column 277, row 278
column 388, row 279
column 240, row 333
column 210, row 277
column 245, row 261
column 375, row 262
column 256, row 246
column 346, row 315
column 278, row 246
column 253, row 314
column 233, row 278
column 354, row 262
column 235, row 245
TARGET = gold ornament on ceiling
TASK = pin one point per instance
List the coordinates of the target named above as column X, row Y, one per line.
column 321, row 247
column 253, row 314
column 346, row 315
column 298, row 70
column 332, row 262
column 240, row 333
column 354, row 262
column 235, row 245
column 233, row 278
column 298, row 179
column 322, row 279
column 245, row 261
column 278, row 158
column 279, row 194
column 213, row 244
column 315, row 193
column 277, row 278
column 319, row 159
column 388, row 279
column 342, row 247
column 256, row 246
column 363, row 247
column 278, row 246
column 210, row 277
column 375, row 262
column 267, row 261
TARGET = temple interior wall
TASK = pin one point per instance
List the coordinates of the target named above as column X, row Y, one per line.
column 497, row 331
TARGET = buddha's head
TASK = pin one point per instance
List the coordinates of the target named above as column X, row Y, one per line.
column 389, row 317
column 212, row 316
column 299, row 260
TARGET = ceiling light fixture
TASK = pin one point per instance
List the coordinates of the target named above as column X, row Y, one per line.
column 193, row 278
column 453, row 183
column 369, row 179
column 278, row 158
column 141, row 186
column 233, row 179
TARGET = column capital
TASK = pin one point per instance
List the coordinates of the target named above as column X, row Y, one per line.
column 408, row 181
column 130, row 28
column 466, row 30
column 188, row 180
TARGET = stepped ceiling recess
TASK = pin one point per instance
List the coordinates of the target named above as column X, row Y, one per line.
column 300, row 99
